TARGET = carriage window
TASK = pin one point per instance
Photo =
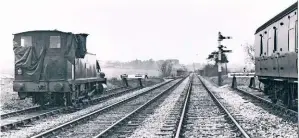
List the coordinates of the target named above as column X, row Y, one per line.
column 54, row 41
column 26, row 41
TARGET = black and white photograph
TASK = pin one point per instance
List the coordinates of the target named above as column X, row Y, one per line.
column 149, row 69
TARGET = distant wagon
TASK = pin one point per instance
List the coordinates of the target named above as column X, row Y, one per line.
column 201, row 72
column 54, row 67
column 181, row 72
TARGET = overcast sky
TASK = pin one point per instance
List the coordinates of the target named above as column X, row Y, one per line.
column 138, row 29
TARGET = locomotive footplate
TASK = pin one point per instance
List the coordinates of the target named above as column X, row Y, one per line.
column 42, row 86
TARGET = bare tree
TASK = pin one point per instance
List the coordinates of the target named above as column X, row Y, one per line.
column 249, row 50
column 165, row 68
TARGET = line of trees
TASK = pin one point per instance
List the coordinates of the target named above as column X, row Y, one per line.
column 165, row 67
column 139, row 64
column 212, row 69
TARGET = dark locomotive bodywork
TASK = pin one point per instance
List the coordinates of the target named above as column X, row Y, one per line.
column 55, row 64
column 276, row 60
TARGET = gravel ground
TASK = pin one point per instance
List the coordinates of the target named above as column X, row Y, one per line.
column 153, row 123
column 254, row 92
column 254, row 119
column 47, row 123
column 203, row 117
column 10, row 100
column 228, row 81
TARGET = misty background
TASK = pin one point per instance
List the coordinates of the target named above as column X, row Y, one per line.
column 137, row 34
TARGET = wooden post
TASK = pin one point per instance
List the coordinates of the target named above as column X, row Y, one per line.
column 126, row 82
column 234, row 83
column 140, row 82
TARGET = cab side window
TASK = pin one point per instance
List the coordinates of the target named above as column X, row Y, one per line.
column 26, row 41
column 54, row 41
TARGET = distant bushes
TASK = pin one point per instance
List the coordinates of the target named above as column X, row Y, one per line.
column 212, row 70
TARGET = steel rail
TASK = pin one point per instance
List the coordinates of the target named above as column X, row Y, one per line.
column 62, row 109
column 225, row 110
column 30, row 109
column 136, row 110
column 283, row 109
column 18, row 112
column 94, row 113
column 182, row 117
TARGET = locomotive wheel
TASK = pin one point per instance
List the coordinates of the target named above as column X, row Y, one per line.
column 22, row 95
column 34, row 99
column 58, row 99
column 68, row 98
column 41, row 98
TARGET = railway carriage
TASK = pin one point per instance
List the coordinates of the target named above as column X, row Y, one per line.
column 54, row 67
column 276, row 49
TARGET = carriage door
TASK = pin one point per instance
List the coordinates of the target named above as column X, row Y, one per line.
column 282, row 41
column 293, row 45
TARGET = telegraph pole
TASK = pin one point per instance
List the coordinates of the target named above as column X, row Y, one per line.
column 220, row 38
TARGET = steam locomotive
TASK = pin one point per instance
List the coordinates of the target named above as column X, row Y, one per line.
column 276, row 49
column 54, row 67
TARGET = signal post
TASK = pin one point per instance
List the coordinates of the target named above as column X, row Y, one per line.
column 220, row 51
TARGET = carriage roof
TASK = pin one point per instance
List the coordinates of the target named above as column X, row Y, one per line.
column 43, row 31
column 277, row 17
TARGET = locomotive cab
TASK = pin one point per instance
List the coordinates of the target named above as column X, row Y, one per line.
column 55, row 67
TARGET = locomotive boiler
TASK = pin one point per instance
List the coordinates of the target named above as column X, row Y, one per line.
column 276, row 49
column 54, row 67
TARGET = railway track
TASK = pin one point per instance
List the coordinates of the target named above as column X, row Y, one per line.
column 35, row 108
column 255, row 119
column 21, row 118
column 99, row 122
column 198, row 113
column 127, row 126
column 276, row 109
